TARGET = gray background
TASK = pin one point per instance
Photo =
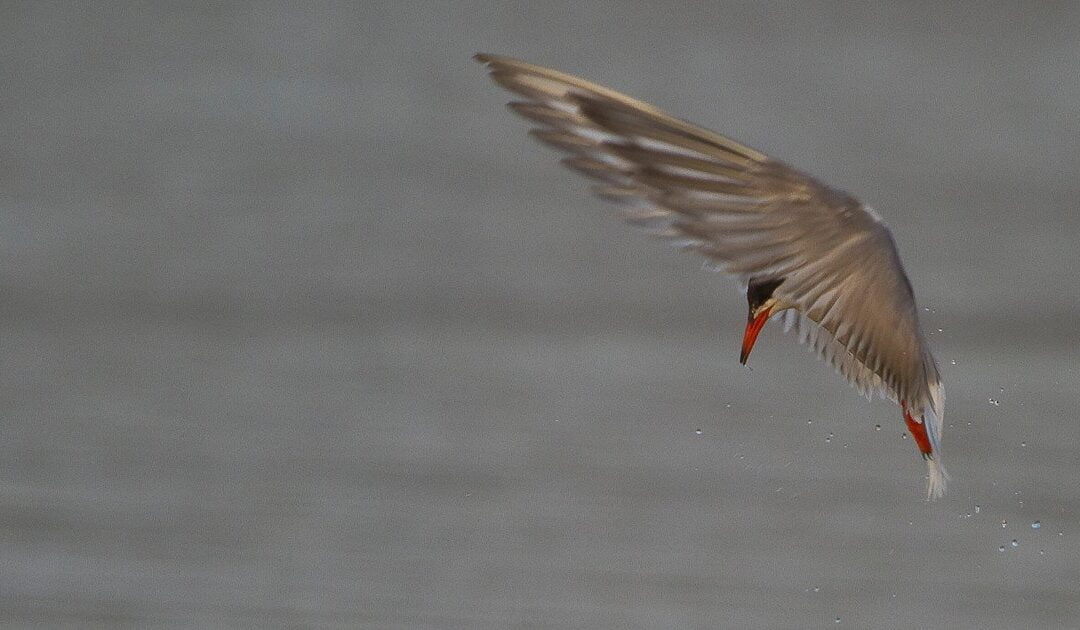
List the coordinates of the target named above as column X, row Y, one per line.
column 299, row 329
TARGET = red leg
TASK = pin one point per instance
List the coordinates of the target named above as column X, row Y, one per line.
column 918, row 431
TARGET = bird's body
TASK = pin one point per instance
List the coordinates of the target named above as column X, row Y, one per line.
column 815, row 255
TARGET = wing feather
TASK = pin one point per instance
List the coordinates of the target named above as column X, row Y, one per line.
column 753, row 216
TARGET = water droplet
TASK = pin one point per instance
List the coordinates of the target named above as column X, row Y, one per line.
column 903, row 435
column 1014, row 543
column 1001, row 548
column 809, row 422
column 837, row 620
column 953, row 362
column 993, row 401
column 817, row 588
column 1022, row 444
column 829, row 439
column 727, row 406
column 940, row 330
column 977, row 509
column 697, row 432
column 1042, row 552
column 1004, row 523
column 1036, row 525
column 877, row 427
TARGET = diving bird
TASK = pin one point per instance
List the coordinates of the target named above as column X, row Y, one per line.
column 814, row 257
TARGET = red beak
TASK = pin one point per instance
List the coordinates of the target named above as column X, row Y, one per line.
column 753, row 328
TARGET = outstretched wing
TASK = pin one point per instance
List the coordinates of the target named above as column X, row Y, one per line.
column 754, row 216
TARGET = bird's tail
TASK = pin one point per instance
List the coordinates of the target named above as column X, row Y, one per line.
column 936, row 477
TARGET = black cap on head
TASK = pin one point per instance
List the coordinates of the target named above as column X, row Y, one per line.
column 758, row 290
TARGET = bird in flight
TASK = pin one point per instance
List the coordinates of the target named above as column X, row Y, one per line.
column 813, row 256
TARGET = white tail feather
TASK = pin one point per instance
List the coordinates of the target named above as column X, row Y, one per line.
column 936, row 478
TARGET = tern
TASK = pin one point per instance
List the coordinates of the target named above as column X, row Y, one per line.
column 813, row 256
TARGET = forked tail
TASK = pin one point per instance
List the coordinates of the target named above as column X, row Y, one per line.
column 936, row 477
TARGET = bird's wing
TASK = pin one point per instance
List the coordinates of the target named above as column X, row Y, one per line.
column 752, row 215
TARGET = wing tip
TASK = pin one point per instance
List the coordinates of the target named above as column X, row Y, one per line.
column 492, row 60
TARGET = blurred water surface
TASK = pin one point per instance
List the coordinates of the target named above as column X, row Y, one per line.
column 298, row 329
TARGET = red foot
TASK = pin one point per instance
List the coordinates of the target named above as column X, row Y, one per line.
column 918, row 431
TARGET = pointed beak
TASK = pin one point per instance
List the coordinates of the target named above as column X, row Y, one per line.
column 753, row 328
